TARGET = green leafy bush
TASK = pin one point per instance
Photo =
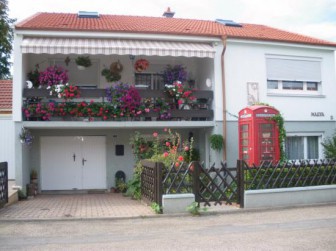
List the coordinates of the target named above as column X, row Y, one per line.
column 329, row 147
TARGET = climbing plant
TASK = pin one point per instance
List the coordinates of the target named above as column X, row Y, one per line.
column 279, row 120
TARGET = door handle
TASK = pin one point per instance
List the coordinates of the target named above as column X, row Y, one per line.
column 74, row 157
column 83, row 161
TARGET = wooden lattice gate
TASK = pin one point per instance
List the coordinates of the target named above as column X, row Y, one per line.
column 211, row 186
column 215, row 185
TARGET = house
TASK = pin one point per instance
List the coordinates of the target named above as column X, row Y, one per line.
column 7, row 127
column 230, row 65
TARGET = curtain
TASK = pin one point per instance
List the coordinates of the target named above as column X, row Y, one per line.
column 294, row 148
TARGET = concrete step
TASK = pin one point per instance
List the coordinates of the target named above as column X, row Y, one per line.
column 13, row 193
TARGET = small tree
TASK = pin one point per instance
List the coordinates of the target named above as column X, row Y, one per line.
column 6, row 38
column 329, row 145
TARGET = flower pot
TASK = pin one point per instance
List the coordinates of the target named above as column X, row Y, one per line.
column 184, row 107
column 81, row 67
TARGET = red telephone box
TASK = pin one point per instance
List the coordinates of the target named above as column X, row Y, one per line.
column 258, row 135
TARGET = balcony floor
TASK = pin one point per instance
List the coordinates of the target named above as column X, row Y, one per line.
column 116, row 124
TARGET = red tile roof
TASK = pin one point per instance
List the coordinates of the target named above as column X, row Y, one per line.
column 6, row 95
column 161, row 25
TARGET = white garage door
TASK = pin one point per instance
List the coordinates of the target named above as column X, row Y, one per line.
column 69, row 163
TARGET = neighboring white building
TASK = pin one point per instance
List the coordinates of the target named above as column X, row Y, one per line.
column 7, row 127
column 252, row 62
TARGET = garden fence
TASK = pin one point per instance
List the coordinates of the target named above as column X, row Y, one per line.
column 3, row 183
column 227, row 185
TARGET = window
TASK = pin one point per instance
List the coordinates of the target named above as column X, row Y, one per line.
column 302, row 147
column 149, row 80
column 292, row 85
column 293, row 75
column 312, row 86
column 272, row 84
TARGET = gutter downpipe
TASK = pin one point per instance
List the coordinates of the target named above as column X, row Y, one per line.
column 224, row 38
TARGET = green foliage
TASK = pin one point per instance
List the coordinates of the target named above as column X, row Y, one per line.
column 282, row 177
column 216, row 142
column 134, row 185
column 6, row 38
column 121, row 185
column 33, row 76
column 156, row 208
column 194, row 155
column 279, row 120
column 163, row 147
column 195, row 209
column 83, row 61
column 110, row 76
column 329, row 147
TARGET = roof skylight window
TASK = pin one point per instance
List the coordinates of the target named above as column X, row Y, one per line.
column 88, row 14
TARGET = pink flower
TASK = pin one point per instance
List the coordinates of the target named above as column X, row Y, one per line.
column 147, row 110
column 180, row 101
column 180, row 158
column 155, row 134
column 168, row 144
column 186, row 148
column 166, row 130
column 165, row 154
column 177, row 164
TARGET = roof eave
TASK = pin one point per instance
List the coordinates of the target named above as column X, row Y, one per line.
column 283, row 41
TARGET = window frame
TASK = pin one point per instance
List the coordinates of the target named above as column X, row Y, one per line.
column 276, row 78
column 305, row 143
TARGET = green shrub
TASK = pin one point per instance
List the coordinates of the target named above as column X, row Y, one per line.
column 329, row 147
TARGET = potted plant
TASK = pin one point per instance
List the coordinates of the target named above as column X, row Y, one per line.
column 33, row 176
column 216, row 142
column 141, row 65
column 53, row 75
column 174, row 73
column 83, row 62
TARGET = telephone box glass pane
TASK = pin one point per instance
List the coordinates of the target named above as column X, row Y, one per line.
column 244, row 134
column 266, row 142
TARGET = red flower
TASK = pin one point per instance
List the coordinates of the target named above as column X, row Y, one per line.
column 180, row 158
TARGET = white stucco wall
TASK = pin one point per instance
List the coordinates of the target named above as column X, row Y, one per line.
column 246, row 62
column 7, row 143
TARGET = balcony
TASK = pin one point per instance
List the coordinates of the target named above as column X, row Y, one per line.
column 93, row 106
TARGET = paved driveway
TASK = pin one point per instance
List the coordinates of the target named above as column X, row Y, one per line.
column 78, row 206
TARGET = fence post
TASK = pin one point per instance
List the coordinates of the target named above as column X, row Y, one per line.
column 241, row 185
column 196, row 186
column 158, row 181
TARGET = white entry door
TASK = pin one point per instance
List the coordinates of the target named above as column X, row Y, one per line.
column 69, row 163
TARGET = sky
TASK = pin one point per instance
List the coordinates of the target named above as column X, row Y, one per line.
column 316, row 18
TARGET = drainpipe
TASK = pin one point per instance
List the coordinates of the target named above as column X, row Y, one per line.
column 224, row 96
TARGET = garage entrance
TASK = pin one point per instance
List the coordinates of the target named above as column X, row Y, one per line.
column 71, row 163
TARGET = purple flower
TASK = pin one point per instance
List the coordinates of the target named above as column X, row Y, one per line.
column 53, row 75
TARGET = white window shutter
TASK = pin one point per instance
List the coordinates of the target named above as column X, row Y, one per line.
column 293, row 70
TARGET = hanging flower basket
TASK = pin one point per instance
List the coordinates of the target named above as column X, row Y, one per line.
column 25, row 137
column 116, row 67
column 141, row 65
